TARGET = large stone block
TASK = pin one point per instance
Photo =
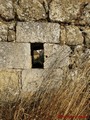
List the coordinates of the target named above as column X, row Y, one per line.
column 30, row 10
column 3, row 32
column 9, row 85
column 15, row 55
column 71, row 35
column 40, row 79
column 38, row 32
column 31, row 80
column 6, row 9
column 56, row 56
column 77, row 11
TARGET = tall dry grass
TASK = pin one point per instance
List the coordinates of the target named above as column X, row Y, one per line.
column 71, row 98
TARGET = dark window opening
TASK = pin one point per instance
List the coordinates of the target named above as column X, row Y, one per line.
column 37, row 52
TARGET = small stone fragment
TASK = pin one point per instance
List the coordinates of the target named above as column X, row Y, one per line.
column 11, row 35
column 3, row 32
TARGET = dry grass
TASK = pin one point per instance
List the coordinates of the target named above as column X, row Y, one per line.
column 72, row 98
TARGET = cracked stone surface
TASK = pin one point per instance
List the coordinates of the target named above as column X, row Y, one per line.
column 15, row 55
column 71, row 35
column 30, row 10
column 6, row 9
column 38, row 32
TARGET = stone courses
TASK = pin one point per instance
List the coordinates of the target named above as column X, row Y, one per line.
column 64, row 28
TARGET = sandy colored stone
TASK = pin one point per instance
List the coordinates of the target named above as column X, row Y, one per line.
column 64, row 10
column 9, row 85
column 85, row 16
column 11, row 35
column 31, row 80
column 77, row 11
column 56, row 56
column 6, row 9
column 38, row 32
column 15, row 55
column 71, row 35
column 3, row 32
column 87, row 36
column 30, row 10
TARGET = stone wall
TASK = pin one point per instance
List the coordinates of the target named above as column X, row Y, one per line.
column 63, row 26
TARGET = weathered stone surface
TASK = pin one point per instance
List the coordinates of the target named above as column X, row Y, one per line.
column 9, row 85
column 35, row 79
column 31, row 80
column 30, row 10
column 3, row 32
column 87, row 36
column 85, row 15
column 6, row 9
column 70, row 11
column 54, row 80
column 71, row 35
column 38, row 32
column 15, row 55
column 64, row 10
column 11, row 35
column 79, row 57
column 56, row 56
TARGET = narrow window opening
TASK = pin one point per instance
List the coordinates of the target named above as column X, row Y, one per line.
column 37, row 52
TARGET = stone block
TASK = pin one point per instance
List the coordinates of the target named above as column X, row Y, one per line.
column 31, row 80
column 9, row 85
column 30, row 10
column 56, row 56
column 3, row 32
column 77, row 11
column 6, row 9
column 15, row 55
column 71, row 35
column 64, row 10
column 38, row 32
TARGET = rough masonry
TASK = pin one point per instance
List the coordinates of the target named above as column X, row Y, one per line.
column 62, row 26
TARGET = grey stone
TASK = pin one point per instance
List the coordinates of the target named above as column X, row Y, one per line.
column 30, row 10
column 56, row 56
column 15, row 55
column 6, row 9
column 71, row 35
column 38, row 32
column 3, row 32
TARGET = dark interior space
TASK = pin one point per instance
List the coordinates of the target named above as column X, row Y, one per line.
column 37, row 52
